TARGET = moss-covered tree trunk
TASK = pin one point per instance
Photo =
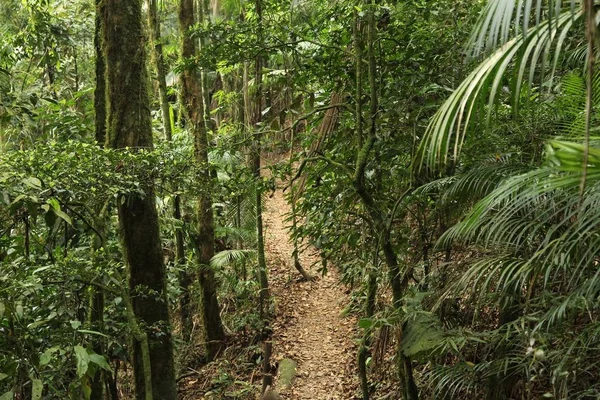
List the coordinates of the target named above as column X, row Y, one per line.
column 159, row 64
column 193, row 103
column 165, row 108
column 100, row 90
column 129, row 125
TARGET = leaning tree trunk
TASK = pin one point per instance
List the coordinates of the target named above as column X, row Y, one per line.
column 193, row 104
column 398, row 284
column 294, row 215
column 129, row 125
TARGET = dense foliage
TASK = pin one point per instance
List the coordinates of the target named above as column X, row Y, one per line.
column 441, row 155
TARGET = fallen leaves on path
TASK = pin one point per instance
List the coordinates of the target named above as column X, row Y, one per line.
column 308, row 326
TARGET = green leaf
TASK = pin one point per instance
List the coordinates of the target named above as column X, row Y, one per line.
column 83, row 360
column 89, row 332
column 2, row 309
column 18, row 199
column 87, row 389
column 33, row 182
column 37, row 324
column 54, row 203
column 58, row 212
column 100, row 361
column 7, row 396
column 365, row 323
column 37, row 388
column 75, row 324
column 46, row 356
column 64, row 216
column 421, row 335
column 3, row 376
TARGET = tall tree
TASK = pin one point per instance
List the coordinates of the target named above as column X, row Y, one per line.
column 256, row 156
column 165, row 108
column 129, row 125
column 154, row 23
column 97, row 300
column 193, row 103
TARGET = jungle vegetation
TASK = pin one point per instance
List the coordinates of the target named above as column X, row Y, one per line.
column 442, row 155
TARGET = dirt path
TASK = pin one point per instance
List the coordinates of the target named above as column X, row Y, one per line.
column 308, row 326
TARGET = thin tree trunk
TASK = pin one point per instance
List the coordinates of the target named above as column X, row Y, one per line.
column 97, row 302
column 129, row 125
column 363, row 351
column 158, row 58
column 398, row 283
column 205, row 241
column 159, row 63
column 97, row 298
column 203, row 16
column 185, row 278
column 264, row 296
column 295, row 251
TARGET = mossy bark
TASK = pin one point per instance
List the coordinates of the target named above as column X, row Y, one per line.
column 193, row 103
column 100, row 89
column 129, row 125
column 159, row 63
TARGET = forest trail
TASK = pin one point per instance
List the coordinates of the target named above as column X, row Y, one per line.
column 309, row 327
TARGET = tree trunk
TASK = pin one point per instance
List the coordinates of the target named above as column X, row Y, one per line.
column 295, row 251
column 185, row 278
column 205, row 241
column 363, row 351
column 129, row 125
column 294, row 217
column 398, row 282
column 100, row 90
column 158, row 58
column 264, row 296
column 159, row 63
column 97, row 296
column 97, row 304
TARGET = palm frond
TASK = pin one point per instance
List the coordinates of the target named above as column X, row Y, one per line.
column 448, row 128
column 541, row 231
column 501, row 20
column 226, row 257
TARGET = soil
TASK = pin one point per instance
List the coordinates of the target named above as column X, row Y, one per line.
column 309, row 325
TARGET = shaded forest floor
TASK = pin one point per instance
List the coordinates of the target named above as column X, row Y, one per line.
column 309, row 327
